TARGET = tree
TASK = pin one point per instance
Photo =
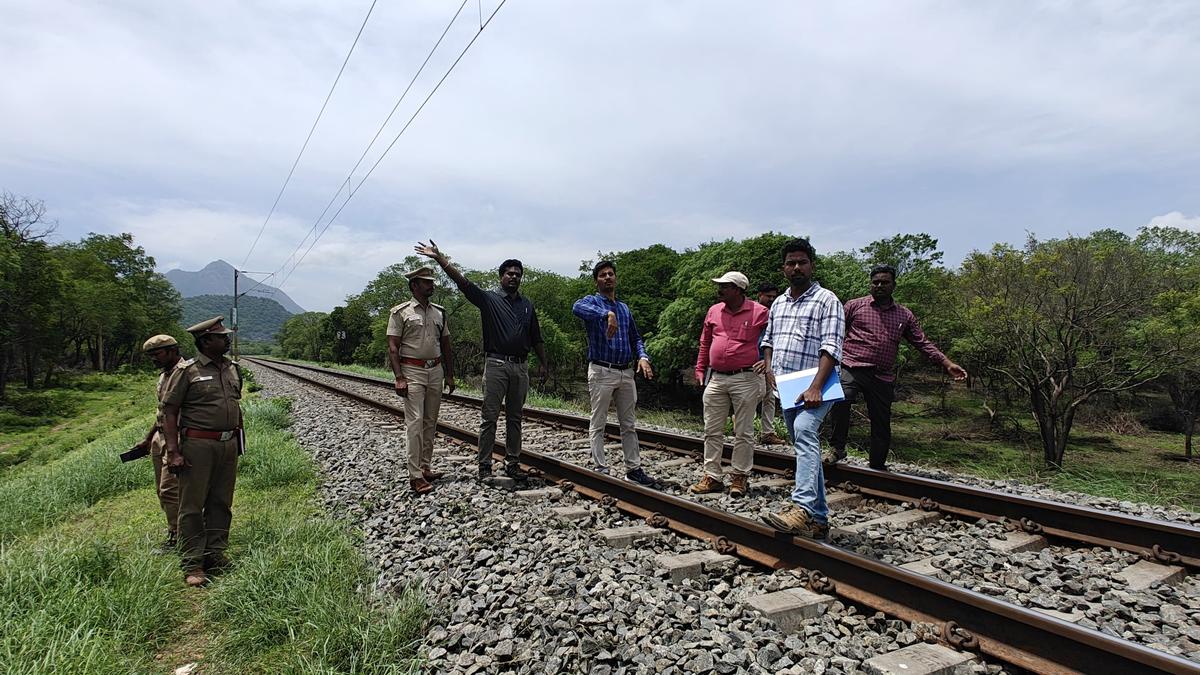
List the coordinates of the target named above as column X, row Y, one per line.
column 1053, row 321
column 1174, row 327
column 30, row 286
column 673, row 347
column 300, row 337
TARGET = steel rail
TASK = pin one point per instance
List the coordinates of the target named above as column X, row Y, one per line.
column 1162, row 541
column 969, row 620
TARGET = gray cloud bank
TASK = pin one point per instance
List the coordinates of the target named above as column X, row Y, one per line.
column 572, row 127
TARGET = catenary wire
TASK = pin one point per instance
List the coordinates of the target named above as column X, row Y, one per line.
column 350, row 175
column 351, row 194
column 310, row 132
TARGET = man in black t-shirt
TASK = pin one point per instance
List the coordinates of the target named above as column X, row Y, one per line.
column 510, row 330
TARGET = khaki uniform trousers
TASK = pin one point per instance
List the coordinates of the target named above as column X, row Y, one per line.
column 606, row 387
column 741, row 392
column 166, row 484
column 421, row 408
column 206, row 498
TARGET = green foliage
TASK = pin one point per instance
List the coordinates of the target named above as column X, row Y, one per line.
column 1053, row 321
column 301, row 337
column 674, row 346
column 259, row 318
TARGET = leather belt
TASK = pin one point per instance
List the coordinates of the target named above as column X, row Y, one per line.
column 506, row 357
column 614, row 366
column 210, row 435
column 423, row 363
column 734, row 372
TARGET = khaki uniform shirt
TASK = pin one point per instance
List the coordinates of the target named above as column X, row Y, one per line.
column 158, row 444
column 207, row 392
column 420, row 329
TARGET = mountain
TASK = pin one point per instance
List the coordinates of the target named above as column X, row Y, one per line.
column 217, row 279
column 259, row 319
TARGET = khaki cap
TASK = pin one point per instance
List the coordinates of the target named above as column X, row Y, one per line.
column 211, row 327
column 736, row 278
column 421, row 273
column 159, row 342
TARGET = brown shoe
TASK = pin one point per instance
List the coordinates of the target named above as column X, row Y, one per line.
column 797, row 522
column 832, row 456
column 772, row 438
column 708, row 485
column 738, row 485
column 195, row 578
column 420, row 486
column 431, row 475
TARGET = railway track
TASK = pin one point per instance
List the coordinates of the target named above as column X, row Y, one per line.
column 1026, row 638
column 1163, row 542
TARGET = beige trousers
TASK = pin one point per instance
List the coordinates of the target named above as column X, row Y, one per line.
column 421, row 408
column 741, row 392
column 609, row 386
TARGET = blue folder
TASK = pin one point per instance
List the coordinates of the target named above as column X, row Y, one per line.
column 789, row 387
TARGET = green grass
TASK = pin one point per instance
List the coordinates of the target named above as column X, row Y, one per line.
column 82, row 588
column 41, row 426
column 1141, row 466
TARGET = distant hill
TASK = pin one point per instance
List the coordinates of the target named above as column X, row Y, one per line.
column 259, row 319
column 217, row 279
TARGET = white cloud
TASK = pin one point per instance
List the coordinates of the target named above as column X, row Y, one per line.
column 1175, row 219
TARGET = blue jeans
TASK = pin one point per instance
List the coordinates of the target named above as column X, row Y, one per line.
column 803, row 427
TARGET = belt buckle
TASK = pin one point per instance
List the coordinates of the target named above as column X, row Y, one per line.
column 226, row 435
column 429, row 363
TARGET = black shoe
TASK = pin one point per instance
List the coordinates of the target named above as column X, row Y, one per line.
column 170, row 544
column 485, row 471
column 640, row 477
column 514, row 472
column 216, row 565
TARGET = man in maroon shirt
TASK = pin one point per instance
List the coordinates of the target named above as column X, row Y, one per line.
column 874, row 327
column 732, row 372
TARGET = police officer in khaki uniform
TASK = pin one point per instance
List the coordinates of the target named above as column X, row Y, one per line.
column 164, row 351
column 202, row 421
column 422, row 360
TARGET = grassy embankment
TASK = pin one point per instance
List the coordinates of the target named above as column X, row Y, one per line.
column 83, row 590
column 1141, row 466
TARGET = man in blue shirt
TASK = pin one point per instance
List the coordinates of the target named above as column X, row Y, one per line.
column 613, row 341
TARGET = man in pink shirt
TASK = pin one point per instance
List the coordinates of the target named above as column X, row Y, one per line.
column 729, row 366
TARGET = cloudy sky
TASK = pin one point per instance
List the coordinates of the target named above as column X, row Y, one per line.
column 570, row 127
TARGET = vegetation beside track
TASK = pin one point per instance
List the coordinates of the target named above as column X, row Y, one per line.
column 83, row 588
column 1135, row 464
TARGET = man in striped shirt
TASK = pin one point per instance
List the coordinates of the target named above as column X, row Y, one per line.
column 875, row 324
column 804, row 331
column 613, row 340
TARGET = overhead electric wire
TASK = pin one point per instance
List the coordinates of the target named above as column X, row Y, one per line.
column 351, row 194
column 310, row 132
column 350, row 175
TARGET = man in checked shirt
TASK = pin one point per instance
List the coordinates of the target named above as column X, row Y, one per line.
column 613, row 342
column 804, row 330
column 874, row 326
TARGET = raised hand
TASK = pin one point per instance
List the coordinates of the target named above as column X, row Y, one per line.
column 429, row 250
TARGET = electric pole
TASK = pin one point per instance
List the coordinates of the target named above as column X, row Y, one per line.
column 236, row 295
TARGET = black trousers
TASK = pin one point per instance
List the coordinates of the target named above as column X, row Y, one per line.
column 878, row 395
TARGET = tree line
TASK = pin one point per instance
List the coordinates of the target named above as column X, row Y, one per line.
column 1046, row 328
column 83, row 304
